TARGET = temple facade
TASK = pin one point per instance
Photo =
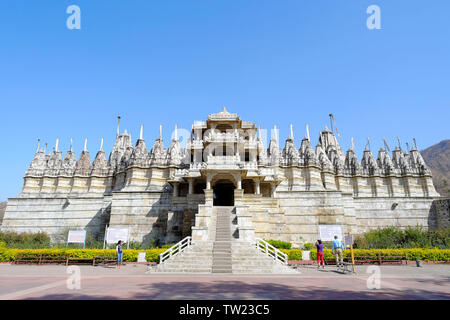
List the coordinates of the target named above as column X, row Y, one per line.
column 169, row 193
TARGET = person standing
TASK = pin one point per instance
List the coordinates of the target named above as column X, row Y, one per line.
column 119, row 254
column 337, row 250
column 319, row 247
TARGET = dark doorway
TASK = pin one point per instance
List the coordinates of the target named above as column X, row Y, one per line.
column 223, row 194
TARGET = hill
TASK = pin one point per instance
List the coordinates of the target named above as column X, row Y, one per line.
column 437, row 157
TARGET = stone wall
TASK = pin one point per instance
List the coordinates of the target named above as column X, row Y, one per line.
column 55, row 216
column 440, row 214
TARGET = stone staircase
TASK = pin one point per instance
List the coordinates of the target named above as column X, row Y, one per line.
column 221, row 253
column 195, row 259
column 249, row 260
column 222, row 244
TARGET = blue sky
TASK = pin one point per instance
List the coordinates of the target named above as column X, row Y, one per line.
column 167, row 62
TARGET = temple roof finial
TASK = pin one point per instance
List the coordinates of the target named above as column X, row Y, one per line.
column 71, row 143
column 176, row 133
column 353, row 145
column 56, row 145
column 85, row 145
column 142, row 132
column 292, row 132
column 118, row 124
column 101, row 145
column 160, row 131
column 307, row 132
column 415, row 143
column 367, row 148
column 38, row 144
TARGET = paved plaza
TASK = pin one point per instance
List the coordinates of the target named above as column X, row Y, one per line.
column 133, row 282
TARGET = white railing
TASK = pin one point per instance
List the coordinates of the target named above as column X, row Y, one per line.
column 271, row 251
column 175, row 249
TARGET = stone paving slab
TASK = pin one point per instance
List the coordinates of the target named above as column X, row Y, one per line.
column 133, row 282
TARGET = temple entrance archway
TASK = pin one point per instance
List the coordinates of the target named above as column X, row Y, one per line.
column 223, row 193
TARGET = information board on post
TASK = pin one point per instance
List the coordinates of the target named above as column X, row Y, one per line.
column 113, row 235
column 348, row 240
column 76, row 236
column 328, row 231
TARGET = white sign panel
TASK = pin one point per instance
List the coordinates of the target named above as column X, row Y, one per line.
column 113, row 235
column 328, row 231
column 348, row 240
column 76, row 236
column 141, row 257
column 306, row 255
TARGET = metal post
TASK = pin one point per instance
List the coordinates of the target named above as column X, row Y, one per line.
column 353, row 256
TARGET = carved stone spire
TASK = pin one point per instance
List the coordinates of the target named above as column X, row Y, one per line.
column 158, row 154
column 369, row 164
column 274, row 149
column 38, row 163
column 175, row 155
column 307, row 153
column 140, row 154
column 324, row 161
column 100, row 164
column 69, row 163
column 122, row 144
column 385, row 162
column 352, row 165
column 84, row 165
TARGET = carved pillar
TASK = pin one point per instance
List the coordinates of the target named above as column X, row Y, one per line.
column 191, row 186
column 175, row 189
column 208, row 181
column 257, row 186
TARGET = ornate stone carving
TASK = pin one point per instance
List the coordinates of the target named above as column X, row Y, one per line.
column 307, row 153
column 369, row 165
column 352, row 165
column 38, row 164
column 324, row 161
column 84, row 166
column 290, row 153
column 100, row 165
column 140, row 154
column 158, row 154
column 69, row 164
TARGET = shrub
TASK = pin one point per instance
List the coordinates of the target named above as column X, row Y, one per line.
column 25, row 240
column 152, row 255
column 293, row 254
column 280, row 244
column 411, row 237
column 308, row 246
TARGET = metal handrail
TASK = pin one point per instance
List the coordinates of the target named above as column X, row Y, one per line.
column 175, row 249
column 271, row 251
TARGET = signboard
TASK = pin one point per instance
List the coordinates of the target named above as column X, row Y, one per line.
column 113, row 235
column 328, row 231
column 306, row 255
column 76, row 236
column 348, row 240
column 141, row 257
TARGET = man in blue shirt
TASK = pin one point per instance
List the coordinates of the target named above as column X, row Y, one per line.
column 337, row 250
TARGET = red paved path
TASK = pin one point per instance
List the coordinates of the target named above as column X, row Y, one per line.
column 132, row 282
